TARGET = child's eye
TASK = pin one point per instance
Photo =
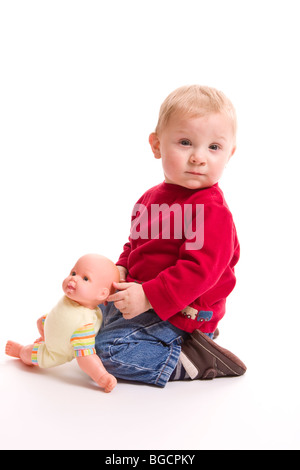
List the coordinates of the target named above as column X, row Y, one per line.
column 185, row 142
column 214, row 147
column 85, row 278
column 73, row 273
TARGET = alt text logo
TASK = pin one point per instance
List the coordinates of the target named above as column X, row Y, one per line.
column 165, row 222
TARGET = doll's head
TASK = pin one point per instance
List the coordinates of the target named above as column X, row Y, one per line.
column 90, row 280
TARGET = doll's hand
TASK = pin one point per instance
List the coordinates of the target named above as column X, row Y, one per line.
column 40, row 326
column 131, row 299
column 40, row 340
column 123, row 273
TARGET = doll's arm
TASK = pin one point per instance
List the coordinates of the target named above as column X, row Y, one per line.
column 40, row 326
column 92, row 365
column 83, row 343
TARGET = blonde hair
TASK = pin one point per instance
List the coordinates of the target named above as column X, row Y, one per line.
column 195, row 101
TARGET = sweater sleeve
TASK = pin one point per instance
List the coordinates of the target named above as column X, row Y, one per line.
column 196, row 271
column 123, row 259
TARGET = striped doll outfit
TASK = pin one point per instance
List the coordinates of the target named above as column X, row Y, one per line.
column 69, row 331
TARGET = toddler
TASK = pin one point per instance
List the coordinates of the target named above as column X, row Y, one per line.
column 177, row 268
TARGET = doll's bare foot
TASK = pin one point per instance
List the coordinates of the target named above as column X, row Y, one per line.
column 93, row 366
column 107, row 381
column 21, row 352
column 13, row 349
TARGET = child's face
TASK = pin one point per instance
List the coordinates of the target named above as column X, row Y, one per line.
column 87, row 282
column 194, row 151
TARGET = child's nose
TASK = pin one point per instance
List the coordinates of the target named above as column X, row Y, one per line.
column 198, row 158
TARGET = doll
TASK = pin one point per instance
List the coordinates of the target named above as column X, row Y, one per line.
column 69, row 330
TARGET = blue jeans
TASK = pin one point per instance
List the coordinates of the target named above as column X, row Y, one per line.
column 143, row 349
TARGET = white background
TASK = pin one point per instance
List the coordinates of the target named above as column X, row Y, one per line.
column 81, row 83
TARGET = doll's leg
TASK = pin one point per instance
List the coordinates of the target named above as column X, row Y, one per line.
column 92, row 365
column 21, row 352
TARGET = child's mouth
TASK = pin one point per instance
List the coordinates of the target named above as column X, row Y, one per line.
column 194, row 173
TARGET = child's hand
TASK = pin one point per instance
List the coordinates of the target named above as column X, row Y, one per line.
column 130, row 300
column 123, row 273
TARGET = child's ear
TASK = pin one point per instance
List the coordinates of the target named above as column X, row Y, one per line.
column 232, row 152
column 155, row 144
column 103, row 294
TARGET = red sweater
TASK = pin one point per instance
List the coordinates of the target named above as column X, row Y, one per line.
column 175, row 273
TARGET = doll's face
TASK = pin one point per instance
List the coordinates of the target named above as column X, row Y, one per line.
column 90, row 280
